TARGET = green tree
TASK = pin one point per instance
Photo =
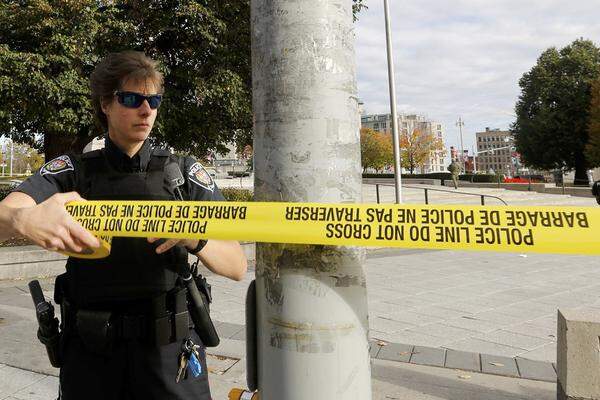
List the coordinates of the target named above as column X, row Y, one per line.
column 45, row 58
column 48, row 48
column 592, row 149
column 551, row 129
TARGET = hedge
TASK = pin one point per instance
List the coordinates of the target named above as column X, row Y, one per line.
column 237, row 194
column 433, row 175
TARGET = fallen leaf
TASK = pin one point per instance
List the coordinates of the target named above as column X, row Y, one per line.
column 464, row 376
column 497, row 364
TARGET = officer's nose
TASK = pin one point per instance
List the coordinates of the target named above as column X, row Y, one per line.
column 144, row 109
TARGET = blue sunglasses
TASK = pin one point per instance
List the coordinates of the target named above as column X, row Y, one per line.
column 134, row 100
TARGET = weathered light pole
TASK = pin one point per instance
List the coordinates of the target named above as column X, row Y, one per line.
column 392, row 87
column 311, row 300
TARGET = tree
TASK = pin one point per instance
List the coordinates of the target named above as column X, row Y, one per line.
column 204, row 48
column 375, row 149
column 45, row 59
column 551, row 129
column 417, row 144
column 592, row 149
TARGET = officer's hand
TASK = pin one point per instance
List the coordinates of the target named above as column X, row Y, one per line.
column 49, row 225
column 169, row 243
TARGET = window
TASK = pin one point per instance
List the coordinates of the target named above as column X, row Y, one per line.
column 375, row 126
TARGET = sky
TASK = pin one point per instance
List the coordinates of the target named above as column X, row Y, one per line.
column 463, row 58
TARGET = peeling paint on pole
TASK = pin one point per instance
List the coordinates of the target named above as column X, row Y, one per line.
column 312, row 307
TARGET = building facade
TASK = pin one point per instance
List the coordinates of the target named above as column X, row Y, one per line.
column 496, row 152
column 407, row 123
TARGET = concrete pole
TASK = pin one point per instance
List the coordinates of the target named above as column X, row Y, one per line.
column 311, row 300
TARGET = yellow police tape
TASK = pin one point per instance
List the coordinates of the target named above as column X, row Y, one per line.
column 567, row 230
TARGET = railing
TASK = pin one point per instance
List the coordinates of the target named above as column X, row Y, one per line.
column 427, row 190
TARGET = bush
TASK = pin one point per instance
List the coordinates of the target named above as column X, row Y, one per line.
column 480, row 178
column 238, row 174
column 4, row 191
column 237, row 194
column 433, row 175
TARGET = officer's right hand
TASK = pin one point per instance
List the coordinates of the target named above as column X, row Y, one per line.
column 49, row 225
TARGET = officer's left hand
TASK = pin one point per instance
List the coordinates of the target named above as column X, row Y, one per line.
column 170, row 243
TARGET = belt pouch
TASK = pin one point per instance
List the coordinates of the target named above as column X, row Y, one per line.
column 95, row 330
column 181, row 316
column 160, row 333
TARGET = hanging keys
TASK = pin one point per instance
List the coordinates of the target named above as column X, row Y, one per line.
column 193, row 357
column 183, row 363
column 189, row 359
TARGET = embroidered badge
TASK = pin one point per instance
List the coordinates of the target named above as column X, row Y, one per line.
column 201, row 177
column 58, row 165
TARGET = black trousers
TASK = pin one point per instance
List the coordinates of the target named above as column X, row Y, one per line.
column 132, row 371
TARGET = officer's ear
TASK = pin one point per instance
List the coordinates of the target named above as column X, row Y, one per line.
column 105, row 104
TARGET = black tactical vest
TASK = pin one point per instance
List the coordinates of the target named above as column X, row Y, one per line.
column 133, row 271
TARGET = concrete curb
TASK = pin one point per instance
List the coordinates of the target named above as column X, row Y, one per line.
column 435, row 357
column 29, row 262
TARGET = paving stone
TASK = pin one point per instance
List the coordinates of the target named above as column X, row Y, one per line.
column 482, row 346
column 395, row 352
column 464, row 360
column 514, row 339
column 374, row 348
column 47, row 388
column 498, row 365
column 13, row 379
column 227, row 329
column 428, row 356
column 241, row 335
column 538, row 370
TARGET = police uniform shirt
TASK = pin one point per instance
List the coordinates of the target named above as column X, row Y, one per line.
column 61, row 174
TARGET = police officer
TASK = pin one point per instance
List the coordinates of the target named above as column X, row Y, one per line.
column 122, row 317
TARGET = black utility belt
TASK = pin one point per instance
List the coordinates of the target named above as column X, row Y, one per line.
column 100, row 330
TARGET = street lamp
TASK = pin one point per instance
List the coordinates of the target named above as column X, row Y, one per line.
column 491, row 151
column 392, row 87
column 460, row 123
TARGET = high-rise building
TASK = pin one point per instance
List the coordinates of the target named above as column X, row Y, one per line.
column 496, row 152
column 407, row 123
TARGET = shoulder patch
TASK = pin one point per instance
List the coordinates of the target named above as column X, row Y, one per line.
column 58, row 165
column 201, row 177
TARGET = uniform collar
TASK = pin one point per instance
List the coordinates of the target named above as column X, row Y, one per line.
column 122, row 162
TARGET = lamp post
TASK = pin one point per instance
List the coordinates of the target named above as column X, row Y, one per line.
column 392, row 87
column 460, row 123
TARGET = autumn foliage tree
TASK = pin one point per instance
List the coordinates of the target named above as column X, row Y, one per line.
column 376, row 149
column 416, row 148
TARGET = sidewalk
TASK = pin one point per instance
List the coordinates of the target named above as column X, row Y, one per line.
column 389, row 381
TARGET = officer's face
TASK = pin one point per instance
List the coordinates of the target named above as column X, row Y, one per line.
column 131, row 126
